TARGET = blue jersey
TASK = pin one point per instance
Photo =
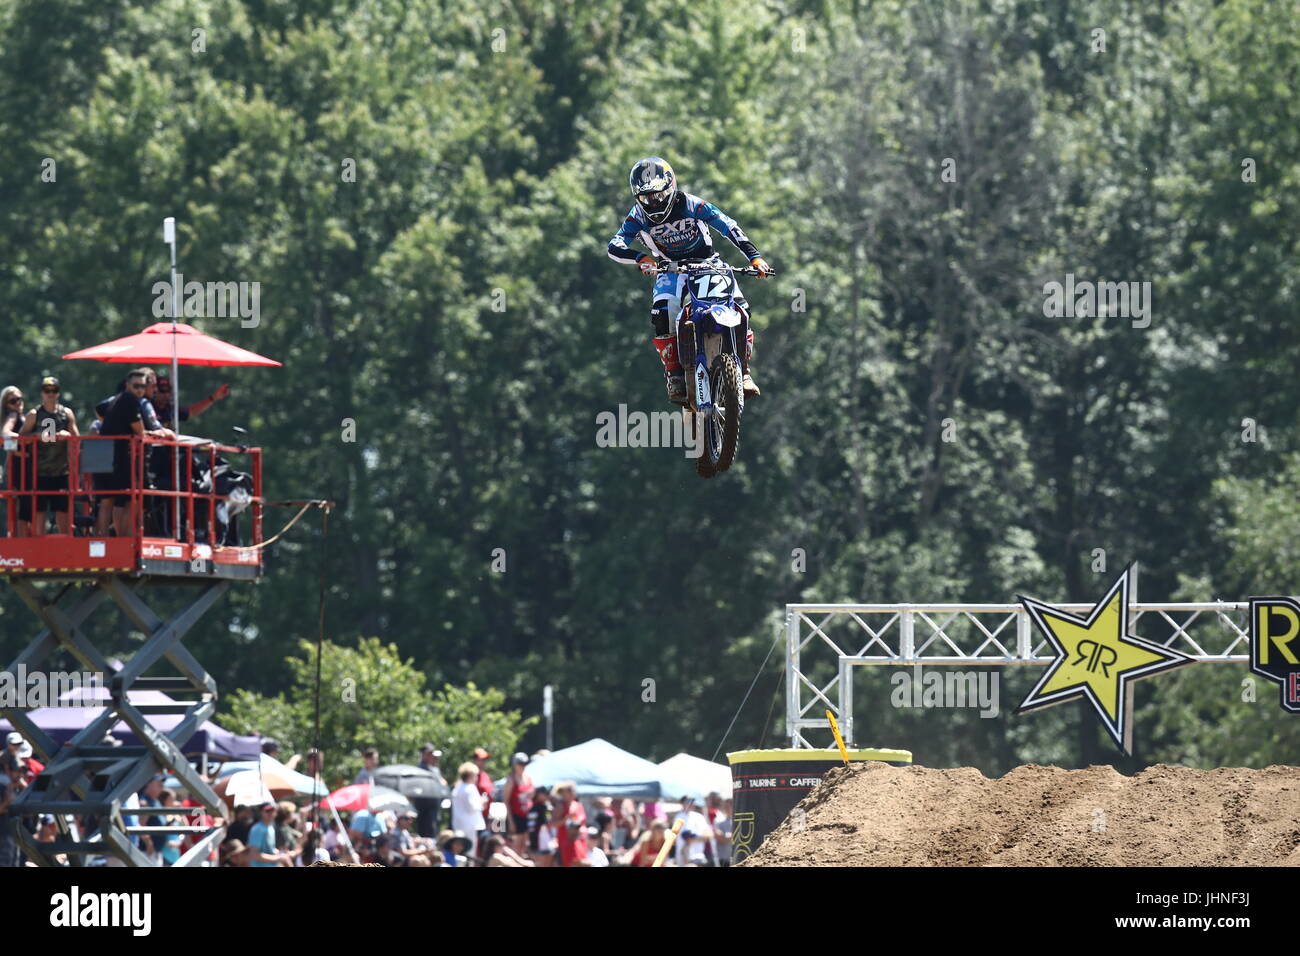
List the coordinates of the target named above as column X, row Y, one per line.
column 684, row 233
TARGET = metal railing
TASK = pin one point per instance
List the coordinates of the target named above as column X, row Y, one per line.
column 189, row 508
column 980, row 634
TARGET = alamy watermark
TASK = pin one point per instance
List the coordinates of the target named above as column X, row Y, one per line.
column 946, row 688
column 24, row 690
column 210, row 300
column 636, row 429
column 1086, row 299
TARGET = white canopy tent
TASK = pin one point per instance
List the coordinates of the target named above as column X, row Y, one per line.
column 687, row 776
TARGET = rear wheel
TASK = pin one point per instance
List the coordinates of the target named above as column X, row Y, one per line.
column 722, row 426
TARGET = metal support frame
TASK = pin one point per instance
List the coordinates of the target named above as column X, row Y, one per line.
column 948, row 634
column 84, row 777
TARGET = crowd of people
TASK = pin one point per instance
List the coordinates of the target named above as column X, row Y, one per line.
column 141, row 405
column 518, row 823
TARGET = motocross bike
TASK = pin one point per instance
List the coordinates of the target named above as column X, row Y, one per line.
column 711, row 332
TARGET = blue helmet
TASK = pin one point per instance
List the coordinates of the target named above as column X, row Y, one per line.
column 654, row 186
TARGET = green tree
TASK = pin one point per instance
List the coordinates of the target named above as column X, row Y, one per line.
column 370, row 697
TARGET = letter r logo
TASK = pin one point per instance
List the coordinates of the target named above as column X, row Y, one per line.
column 1272, row 636
column 1274, row 642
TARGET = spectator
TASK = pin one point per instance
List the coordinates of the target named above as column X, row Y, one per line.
column 333, row 840
column 271, row 747
column 541, row 842
column 602, row 834
column 427, row 810
column 429, row 758
column 13, row 780
column 485, row 784
column 560, row 816
column 647, row 846
column 722, row 827
column 169, row 844
column 102, row 407
column 150, row 796
column 694, row 836
column 12, row 413
column 198, row 817
column 314, row 765
column 124, row 417
column 132, row 802
column 455, row 847
column 162, row 401
column 33, row 765
column 159, row 460
column 288, row 833
column 577, row 850
column 518, row 797
column 234, row 853
column 312, row 851
column 412, row 850
column 262, row 846
column 497, row 853
column 47, row 831
column 243, row 823
column 467, row 805
column 50, row 418
column 628, row 826
column 713, row 806
column 568, row 810
column 370, row 759
column 596, row 855
column 364, row 827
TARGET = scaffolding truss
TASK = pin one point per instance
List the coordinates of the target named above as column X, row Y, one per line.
column 864, row 635
column 86, row 779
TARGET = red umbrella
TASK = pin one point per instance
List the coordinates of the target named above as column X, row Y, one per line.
column 154, row 345
column 365, row 796
column 173, row 343
column 353, row 797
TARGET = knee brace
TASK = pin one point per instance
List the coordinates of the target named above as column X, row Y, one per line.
column 659, row 320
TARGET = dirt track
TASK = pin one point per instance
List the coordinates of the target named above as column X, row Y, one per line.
column 872, row 814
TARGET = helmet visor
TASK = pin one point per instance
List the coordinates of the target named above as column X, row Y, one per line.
column 655, row 201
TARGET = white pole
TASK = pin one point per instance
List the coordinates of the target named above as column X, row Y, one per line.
column 169, row 237
column 548, row 711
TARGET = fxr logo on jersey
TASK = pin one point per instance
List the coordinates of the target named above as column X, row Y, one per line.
column 1274, row 643
column 675, row 233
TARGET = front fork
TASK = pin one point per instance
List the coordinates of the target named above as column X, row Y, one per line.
column 689, row 344
column 702, row 392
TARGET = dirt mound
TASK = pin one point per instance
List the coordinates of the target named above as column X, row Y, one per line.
column 872, row 814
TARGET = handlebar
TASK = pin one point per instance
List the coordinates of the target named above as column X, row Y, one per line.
column 705, row 265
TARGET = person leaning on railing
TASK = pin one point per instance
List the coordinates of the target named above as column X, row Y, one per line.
column 125, row 418
column 55, row 423
column 11, row 419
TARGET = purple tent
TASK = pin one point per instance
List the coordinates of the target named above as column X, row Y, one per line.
column 63, row 723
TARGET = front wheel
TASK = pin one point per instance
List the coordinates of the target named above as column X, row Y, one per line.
column 697, row 436
column 722, row 425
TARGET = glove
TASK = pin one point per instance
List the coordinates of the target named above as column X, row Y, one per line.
column 759, row 263
column 648, row 265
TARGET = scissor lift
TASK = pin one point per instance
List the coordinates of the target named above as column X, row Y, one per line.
column 63, row 580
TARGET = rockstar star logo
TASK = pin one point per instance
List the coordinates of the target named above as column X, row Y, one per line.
column 1097, row 659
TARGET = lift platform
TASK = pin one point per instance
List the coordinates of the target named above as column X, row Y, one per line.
column 193, row 538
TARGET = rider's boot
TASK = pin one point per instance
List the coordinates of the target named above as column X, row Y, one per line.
column 666, row 346
column 751, row 387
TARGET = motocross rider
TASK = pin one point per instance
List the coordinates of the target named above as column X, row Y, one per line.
column 674, row 225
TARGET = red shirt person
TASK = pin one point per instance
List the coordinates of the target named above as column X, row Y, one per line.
column 484, row 784
column 518, row 797
column 576, row 850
